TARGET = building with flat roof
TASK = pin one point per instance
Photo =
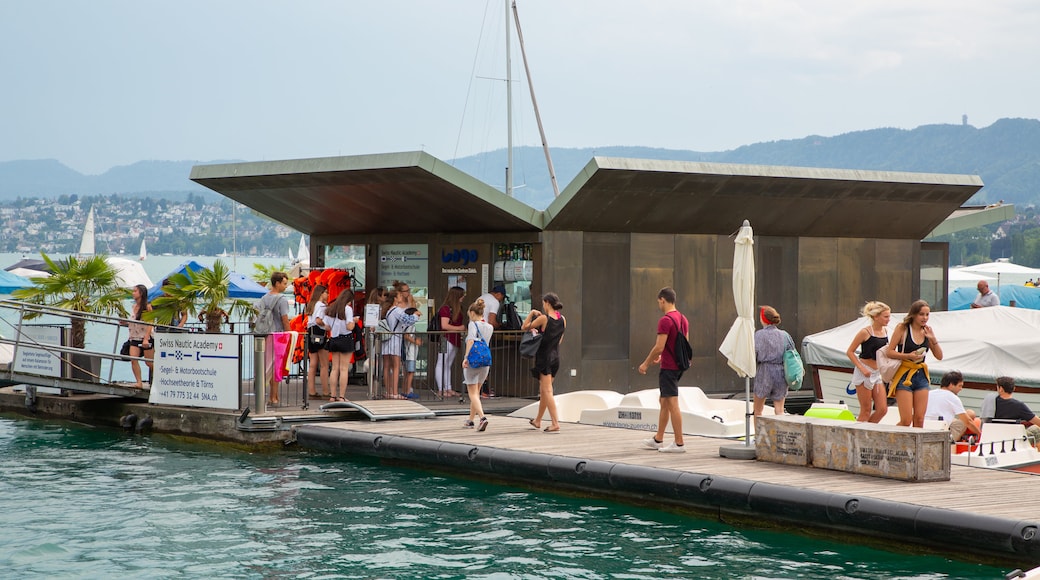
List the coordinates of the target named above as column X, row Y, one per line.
column 826, row 241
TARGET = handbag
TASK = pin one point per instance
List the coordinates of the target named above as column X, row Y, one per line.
column 886, row 365
column 794, row 370
column 125, row 349
column 530, row 342
column 319, row 340
column 479, row 355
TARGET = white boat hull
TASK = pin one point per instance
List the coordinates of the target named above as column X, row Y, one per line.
column 641, row 410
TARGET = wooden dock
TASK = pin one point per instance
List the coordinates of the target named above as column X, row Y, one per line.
column 995, row 511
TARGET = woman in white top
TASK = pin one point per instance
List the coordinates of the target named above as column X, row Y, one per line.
column 475, row 377
column 339, row 324
column 317, row 342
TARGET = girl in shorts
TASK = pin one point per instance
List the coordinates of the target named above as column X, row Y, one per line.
column 141, row 335
column 339, row 324
column 911, row 339
column 866, row 379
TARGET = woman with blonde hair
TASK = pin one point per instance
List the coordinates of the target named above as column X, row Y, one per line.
column 474, row 377
column 866, row 378
column 911, row 339
column 317, row 342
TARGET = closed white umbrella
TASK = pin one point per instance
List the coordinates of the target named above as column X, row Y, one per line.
column 739, row 345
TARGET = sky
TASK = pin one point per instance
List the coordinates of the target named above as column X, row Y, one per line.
column 111, row 82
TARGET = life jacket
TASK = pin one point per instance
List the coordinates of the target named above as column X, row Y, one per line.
column 302, row 289
column 299, row 324
column 336, row 280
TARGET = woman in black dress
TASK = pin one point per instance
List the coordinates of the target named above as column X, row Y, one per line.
column 547, row 361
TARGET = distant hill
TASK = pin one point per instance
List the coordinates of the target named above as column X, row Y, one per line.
column 1006, row 155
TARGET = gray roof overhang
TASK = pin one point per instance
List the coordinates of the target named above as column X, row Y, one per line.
column 391, row 193
column 648, row 196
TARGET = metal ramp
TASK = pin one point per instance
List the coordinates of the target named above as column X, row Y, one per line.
column 382, row 409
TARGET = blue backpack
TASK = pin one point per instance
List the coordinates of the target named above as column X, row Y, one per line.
column 479, row 355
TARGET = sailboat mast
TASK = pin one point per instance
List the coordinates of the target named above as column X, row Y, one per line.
column 534, row 101
column 509, row 110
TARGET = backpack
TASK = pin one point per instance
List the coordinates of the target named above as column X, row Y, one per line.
column 263, row 320
column 433, row 327
column 479, row 355
column 683, row 351
column 510, row 317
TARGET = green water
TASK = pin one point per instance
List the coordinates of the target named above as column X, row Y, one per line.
column 81, row 502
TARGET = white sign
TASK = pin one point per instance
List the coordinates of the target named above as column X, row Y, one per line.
column 371, row 315
column 38, row 361
column 196, row 370
column 408, row 263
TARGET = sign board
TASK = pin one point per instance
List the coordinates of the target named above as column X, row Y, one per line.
column 408, row 263
column 196, row 370
column 38, row 361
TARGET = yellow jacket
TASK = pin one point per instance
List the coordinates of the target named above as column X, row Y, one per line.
column 908, row 368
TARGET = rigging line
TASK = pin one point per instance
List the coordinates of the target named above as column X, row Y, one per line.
column 469, row 88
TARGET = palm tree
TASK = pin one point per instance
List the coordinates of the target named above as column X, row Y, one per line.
column 204, row 292
column 86, row 285
column 262, row 273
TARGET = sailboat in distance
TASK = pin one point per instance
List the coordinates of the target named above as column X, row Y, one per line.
column 144, row 253
column 86, row 245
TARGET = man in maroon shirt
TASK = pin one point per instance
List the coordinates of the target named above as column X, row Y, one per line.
column 663, row 353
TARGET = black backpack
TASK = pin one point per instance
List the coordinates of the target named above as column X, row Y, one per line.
column 510, row 318
column 433, row 327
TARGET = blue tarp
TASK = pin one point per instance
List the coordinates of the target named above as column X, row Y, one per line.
column 241, row 286
column 10, row 282
column 1024, row 296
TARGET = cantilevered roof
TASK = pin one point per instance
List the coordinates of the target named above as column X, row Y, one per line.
column 968, row 217
column 393, row 193
column 647, row 196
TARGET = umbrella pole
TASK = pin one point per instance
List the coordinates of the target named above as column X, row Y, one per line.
column 747, row 411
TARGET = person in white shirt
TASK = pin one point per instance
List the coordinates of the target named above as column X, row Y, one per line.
column 339, row 321
column 986, row 296
column 944, row 404
column 492, row 304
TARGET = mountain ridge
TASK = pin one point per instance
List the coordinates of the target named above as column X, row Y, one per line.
column 1006, row 155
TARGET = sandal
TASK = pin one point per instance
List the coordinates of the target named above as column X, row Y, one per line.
column 531, row 421
column 551, row 430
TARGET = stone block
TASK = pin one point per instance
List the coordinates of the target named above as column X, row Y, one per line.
column 889, row 451
column 786, row 439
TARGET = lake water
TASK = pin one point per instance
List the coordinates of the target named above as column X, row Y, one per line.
column 82, row 502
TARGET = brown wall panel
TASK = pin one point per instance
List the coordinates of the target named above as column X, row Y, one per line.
column 561, row 253
column 653, row 267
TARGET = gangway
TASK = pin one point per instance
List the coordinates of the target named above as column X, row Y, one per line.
column 35, row 351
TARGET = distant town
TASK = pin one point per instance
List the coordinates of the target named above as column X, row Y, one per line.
column 193, row 226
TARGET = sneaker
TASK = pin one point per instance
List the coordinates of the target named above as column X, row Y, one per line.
column 673, row 448
column 651, row 443
column 483, row 424
column 413, row 396
column 467, row 424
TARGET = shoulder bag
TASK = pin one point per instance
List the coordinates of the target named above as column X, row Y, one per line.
column 794, row 370
column 530, row 342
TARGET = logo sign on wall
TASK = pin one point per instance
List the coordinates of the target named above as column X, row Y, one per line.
column 196, row 370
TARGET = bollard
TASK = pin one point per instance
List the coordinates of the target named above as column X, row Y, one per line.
column 259, row 375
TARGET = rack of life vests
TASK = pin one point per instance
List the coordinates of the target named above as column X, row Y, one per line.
column 335, row 280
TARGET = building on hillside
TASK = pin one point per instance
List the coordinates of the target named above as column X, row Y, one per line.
column 826, row 241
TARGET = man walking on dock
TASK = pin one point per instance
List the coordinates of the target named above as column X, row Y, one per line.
column 663, row 352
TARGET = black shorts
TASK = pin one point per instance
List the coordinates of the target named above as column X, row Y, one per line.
column 138, row 343
column 668, row 382
column 342, row 343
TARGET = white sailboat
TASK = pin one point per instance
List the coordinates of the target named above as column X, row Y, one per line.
column 86, row 245
column 302, row 253
column 144, row 253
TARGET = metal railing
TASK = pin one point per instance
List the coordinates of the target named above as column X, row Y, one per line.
column 438, row 366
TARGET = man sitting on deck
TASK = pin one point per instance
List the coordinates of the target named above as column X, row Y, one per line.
column 944, row 404
column 1008, row 407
